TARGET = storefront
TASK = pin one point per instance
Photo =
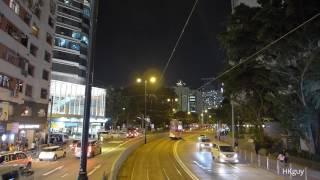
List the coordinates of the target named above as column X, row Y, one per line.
column 73, row 126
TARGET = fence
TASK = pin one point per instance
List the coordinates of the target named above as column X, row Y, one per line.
column 287, row 170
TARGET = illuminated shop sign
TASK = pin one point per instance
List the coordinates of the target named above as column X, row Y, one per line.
column 29, row 126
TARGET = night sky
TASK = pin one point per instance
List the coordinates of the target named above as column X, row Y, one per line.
column 137, row 35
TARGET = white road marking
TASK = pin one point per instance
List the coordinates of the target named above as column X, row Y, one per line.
column 178, row 170
column 115, row 142
column 66, row 174
column 200, row 165
column 53, row 170
column 182, row 165
column 94, row 169
column 132, row 173
column 147, row 173
column 165, row 173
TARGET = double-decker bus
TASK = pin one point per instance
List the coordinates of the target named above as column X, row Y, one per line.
column 175, row 129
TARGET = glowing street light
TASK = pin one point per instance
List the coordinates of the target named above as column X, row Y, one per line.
column 139, row 80
column 176, row 99
column 152, row 80
column 189, row 112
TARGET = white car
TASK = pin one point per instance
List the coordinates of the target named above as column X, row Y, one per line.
column 52, row 153
column 224, row 153
column 204, row 143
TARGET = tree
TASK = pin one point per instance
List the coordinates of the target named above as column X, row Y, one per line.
column 283, row 80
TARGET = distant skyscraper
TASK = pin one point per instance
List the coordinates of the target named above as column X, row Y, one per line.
column 189, row 100
column 71, row 41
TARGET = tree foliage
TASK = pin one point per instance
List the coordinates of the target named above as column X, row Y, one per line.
column 283, row 81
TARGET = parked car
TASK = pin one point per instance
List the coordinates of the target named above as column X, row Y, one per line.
column 204, row 143
column 94, row 148
column 15, row 158
column 52, row 153
column 15, row 173
column 224, row 153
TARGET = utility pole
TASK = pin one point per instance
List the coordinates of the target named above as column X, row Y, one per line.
column 232, row 118
column 145, row 111
column 86, row 117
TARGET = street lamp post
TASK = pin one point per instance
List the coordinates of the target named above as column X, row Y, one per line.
column 89, row 76
column 139, row 80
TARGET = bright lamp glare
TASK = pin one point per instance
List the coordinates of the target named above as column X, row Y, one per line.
column 153, row 79
column 139, row 80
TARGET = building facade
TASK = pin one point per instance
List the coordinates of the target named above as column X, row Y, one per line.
column 71, row 41
column 26, row 42
column 189, row 100
column 66, row 114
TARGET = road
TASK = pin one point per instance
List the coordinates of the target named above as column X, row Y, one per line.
column 159, row 160
column 68, row 168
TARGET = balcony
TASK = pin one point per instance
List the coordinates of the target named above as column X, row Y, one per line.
column 13, row 31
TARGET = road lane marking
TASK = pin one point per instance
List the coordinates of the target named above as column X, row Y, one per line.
column 94, row 169
column 132, row 173
column 53, row 170
column 115, row 142
column 66, row 174
column 199, row 165
column 165, row 173
column 182, row 165
column 178, row 170
column 147, row 173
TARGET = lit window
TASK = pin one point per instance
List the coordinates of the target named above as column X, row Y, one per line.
column 84, row 39
column 61, row 42
column 35, row 30
column 76, row 35
column 14, row 6
column 74, row 46
column 86, row 11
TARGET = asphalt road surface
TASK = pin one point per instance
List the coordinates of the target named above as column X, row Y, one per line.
column 68, row 168
column 171, row 159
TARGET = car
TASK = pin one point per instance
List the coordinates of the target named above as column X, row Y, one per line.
column 204, row 143
column 201, row 136
column 58, row 138
column 94, row 148
column 52, row 153
column 104, row 135
column 15, row 172
column 132, row 133
column 224, row 153
column 15, row 158
column 73, row 144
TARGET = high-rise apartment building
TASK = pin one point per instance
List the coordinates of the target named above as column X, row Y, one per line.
column 71, row 41
column 26, row 42
column 69, row 69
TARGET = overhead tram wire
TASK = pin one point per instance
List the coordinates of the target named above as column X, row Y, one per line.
column 247, row 59
column 178, row 40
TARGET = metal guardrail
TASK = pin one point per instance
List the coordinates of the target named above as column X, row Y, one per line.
column 286, row 170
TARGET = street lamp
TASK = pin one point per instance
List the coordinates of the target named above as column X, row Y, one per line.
column 151, row 80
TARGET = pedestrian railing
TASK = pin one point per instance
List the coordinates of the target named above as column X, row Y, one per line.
column 287, row 170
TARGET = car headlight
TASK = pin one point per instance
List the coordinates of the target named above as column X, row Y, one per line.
column 222, row 155
column 235, row 155
column 210, row 145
